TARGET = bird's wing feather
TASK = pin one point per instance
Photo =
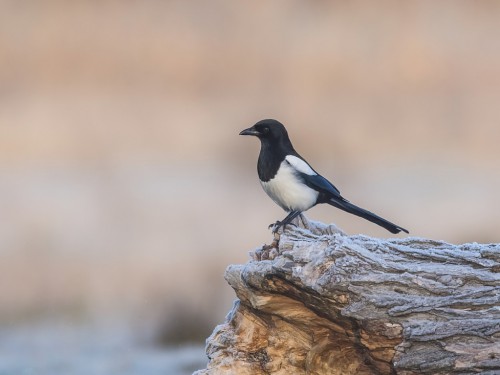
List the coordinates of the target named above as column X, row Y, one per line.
column 321, row 184
column 311, row 178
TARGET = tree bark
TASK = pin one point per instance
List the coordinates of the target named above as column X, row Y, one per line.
column 328, row 303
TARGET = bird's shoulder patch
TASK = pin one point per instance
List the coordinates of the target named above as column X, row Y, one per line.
column 300, row 165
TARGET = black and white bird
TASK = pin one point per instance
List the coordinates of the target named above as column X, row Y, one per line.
column 292, row 183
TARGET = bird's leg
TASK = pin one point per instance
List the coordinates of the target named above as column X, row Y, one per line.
column 287, row 220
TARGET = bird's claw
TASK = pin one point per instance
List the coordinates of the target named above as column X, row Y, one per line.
column 276, row 224
column 279, row 224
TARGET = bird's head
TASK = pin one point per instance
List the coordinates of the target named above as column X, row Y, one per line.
column 270, row 130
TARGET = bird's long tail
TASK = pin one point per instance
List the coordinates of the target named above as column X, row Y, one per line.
column 358, row 211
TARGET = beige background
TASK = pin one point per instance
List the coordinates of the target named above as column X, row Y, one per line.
column 125, row 189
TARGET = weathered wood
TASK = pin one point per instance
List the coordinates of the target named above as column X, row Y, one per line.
column 328, row 303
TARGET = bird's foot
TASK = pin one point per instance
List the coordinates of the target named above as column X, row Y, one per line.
column 279, row 224
column 276, row 224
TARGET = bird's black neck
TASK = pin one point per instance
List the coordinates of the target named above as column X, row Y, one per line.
column 272, row 154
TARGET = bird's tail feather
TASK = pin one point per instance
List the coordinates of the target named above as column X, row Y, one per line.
column 358, row 211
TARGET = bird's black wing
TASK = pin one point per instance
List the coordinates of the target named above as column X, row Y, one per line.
column 322, row 185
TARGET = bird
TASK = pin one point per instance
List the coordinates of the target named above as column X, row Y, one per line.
column 291, row 182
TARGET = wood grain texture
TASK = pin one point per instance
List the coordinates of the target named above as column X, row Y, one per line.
column 328, row 303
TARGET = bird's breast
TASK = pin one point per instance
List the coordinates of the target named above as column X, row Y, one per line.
column 288, row 191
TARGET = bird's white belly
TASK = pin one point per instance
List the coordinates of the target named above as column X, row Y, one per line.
column 288, row 191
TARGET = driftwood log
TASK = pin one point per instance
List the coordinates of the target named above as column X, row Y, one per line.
column 327, row 303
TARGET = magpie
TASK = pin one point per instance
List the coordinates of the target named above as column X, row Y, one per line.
column 292, row 183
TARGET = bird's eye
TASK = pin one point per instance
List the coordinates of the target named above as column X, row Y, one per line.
column 265, row 130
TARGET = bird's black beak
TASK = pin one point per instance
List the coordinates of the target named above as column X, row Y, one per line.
column 250, row 131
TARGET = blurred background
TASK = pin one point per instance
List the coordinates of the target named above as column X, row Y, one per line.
column 125, row 190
